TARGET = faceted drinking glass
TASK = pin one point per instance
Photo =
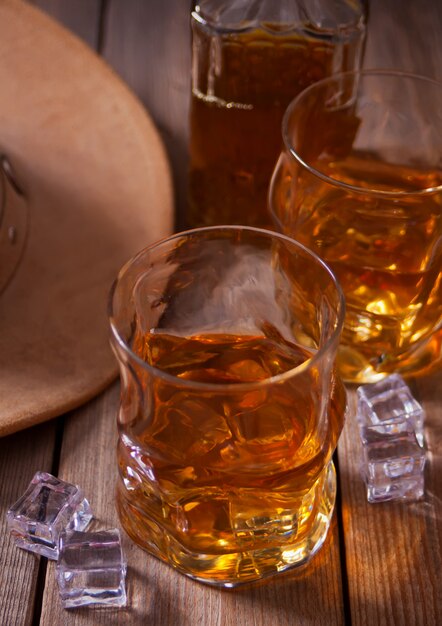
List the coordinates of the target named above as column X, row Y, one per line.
column 230, row 407
column 360, row 182
column 250, row 58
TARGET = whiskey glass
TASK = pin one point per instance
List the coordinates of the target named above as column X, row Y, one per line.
column 359, row 181
column 231, row 407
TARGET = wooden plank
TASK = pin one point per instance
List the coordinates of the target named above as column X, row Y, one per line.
column 21, row 455
column 394, row 550
column 405, row 36
column 148, row 43
column 87, row 459
column 157, row 594
column 80, row 16
column 312, row 596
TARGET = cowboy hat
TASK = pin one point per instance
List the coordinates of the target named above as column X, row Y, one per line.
column 87, row 168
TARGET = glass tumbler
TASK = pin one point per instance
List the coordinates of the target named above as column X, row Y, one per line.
column 230, row 404
column 360, row 182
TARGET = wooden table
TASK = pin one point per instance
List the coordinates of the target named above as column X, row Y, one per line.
column 381, row 564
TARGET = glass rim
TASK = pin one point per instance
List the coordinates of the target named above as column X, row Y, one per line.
column 333, row 181
column 296, row 26
column 219, row 387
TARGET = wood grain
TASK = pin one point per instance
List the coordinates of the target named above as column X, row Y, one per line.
column 21, row 455
column 405, row 36
column 148, row 43
column 80, row 16
column 394, row 550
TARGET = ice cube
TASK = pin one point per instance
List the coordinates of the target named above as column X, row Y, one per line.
column 187, row 427
column 393, row 463
column 390, row 383
column 48, row 506
column 262, row 517
column 91, row 569
column 388, row 403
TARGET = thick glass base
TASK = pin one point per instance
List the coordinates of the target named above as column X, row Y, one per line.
column 356, row 367
column 230, row 569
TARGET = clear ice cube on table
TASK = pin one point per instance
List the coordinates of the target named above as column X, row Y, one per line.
column 48, row 506
column 91, row 569
column 388, row 403
column 393, row 463
column 394, row 382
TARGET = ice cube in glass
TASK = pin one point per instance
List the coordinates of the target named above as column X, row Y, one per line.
column 48, row 506
column 91, row 569
column 393, row 464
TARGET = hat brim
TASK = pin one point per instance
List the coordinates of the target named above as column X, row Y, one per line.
column 98, row 187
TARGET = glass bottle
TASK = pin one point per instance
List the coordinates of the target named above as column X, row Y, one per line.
column 250, row 58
